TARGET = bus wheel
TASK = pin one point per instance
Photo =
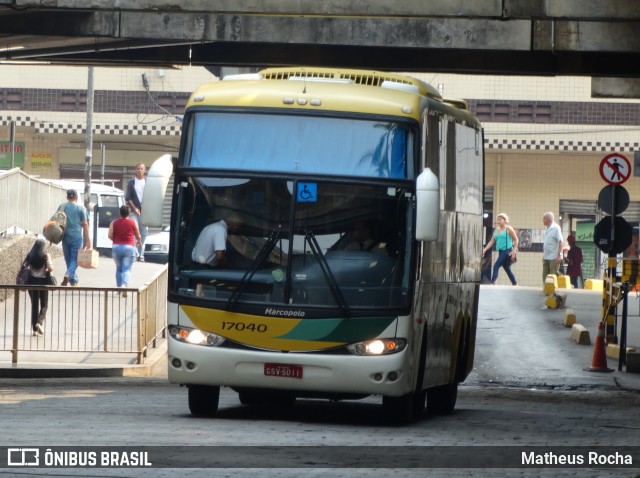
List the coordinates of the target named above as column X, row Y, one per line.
column 442, row 400
column 405, row 408
column 203, row 400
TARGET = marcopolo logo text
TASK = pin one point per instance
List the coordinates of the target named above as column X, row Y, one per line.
column 283, row 313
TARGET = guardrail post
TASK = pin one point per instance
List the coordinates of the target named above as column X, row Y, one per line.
column 141, row 325
column 16, row 316
column 106, row 320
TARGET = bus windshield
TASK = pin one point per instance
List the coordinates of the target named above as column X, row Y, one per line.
column 283, row 143
column 313, row 243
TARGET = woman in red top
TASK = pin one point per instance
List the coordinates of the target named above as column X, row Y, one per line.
column 125, row 236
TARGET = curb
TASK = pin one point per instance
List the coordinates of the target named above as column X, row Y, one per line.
column 155, row 365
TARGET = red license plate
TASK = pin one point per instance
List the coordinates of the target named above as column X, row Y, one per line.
column 282, row 370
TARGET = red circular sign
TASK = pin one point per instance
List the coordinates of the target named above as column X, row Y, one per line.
column 615, row 169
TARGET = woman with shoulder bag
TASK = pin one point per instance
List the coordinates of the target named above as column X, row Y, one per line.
column 40, row 267
column 506, row 241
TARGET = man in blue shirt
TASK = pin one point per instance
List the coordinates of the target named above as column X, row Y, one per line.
column 77, row 227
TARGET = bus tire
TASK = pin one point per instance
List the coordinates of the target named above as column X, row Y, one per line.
column 203, row 400
column 405, row 408
column 442, row 400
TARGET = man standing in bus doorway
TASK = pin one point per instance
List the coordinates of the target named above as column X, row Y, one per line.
column 133, row 196
column 77, row 226
column 552, row 247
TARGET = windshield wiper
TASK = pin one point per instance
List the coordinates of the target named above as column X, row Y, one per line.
column 326, row 271
column 263, row 253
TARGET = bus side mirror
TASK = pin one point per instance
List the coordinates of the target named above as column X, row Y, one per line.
column 427, row 206
column 154, row 190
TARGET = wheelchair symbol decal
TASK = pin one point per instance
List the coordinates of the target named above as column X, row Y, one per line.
column 307, row 192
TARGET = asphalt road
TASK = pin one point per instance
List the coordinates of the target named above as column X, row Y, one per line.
column 528, row 389
column 149, row 412
column 521, row 344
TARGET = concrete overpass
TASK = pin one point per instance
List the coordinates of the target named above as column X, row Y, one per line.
column 528, row 37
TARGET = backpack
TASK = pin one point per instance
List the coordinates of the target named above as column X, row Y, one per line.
column 54, row 228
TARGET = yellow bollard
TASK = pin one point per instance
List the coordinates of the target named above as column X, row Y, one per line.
column 564, row 282
column 569, row 318
column 593, row 284
column 550, row 284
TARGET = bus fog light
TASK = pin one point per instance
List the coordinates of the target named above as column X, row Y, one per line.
column 377, row 377
column 393, row 376
column 378, row 347
column 191, row 365
column 176, row 362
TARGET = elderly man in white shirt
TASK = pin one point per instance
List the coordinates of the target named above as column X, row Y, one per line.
column 552, row 248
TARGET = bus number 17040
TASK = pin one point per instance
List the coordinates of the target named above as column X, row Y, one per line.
column 241, row 327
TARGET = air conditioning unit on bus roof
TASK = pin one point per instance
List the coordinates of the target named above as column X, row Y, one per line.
column 396, row 85
column 243, row 76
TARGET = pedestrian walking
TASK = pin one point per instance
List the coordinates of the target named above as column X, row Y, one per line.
column 506, row 242
column 133, row 196
column 40, row 267
column 77, row 228
column 574, row 258
column 125, row 236
column 552, row 247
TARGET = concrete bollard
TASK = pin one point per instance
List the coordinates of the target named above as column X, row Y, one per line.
column 556, row 301
column 613, row 351
column 550, row 284
column 564, row 282
column 594, row 284
column 580, row 335
column 569, row 318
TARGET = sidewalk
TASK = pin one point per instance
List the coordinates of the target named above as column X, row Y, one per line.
column 36, row 365
column 105, row 274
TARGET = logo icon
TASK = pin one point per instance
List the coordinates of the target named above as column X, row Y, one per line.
column 23, row 456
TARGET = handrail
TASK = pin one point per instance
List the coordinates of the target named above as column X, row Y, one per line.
column 86, row 321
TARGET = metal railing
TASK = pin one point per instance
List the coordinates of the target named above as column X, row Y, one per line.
column 88, row 324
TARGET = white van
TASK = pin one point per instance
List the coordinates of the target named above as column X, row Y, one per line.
column 104, row 207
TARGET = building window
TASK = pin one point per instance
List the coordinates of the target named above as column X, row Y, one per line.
column 11, row 100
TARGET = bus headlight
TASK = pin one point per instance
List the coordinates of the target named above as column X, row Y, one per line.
column 378, row 347
column 196, row 336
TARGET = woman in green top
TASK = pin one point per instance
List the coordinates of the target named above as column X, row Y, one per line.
column 506, row 241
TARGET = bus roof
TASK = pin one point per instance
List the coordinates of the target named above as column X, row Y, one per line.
column 327, row 89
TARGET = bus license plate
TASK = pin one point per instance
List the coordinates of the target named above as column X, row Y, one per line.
column 282, row 370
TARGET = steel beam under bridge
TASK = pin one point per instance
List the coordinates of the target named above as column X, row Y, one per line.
column 532, row 37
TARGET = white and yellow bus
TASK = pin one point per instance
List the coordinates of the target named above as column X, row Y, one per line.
column 356, row 267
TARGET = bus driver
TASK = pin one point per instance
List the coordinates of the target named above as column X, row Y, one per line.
column 211, row 246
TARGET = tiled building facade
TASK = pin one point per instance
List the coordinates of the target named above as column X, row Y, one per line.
column 544, row 138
